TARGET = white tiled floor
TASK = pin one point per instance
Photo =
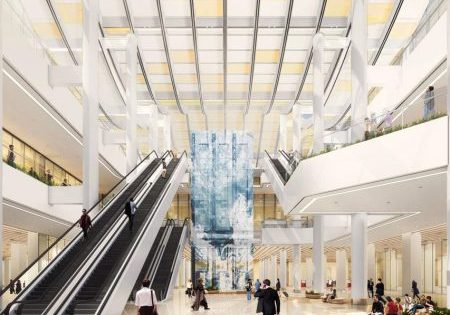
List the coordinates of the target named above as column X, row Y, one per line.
column 238, row 305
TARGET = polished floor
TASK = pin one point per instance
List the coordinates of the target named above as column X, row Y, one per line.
column 238, row 305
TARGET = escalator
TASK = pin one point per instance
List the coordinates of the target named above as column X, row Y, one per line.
column 38, row 294
column 96, row 288
column 281, row 170
column 284, row 175
column 162, row 281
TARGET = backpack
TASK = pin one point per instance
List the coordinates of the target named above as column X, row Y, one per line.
column 128, row 208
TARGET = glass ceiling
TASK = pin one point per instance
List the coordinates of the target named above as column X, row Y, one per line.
column 207, row 66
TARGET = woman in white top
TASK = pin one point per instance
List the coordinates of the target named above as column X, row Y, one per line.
column 146, row 299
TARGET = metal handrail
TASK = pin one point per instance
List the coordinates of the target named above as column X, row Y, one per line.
column 6, row 288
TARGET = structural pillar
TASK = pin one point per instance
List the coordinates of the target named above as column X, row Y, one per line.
column 296, row 267
column 274, row 270
column 131, row 139
column 90, row 103
column 359, row 255
column 19, row 260
column 282, row 144
column 341, row 269
column 359, row 68
column 448, row 153
column 297, row 129
column 167, row 133
column 411, row 261
column 428, row 268
column 283, row 269
column 371, row 262
column 390, row 267
column 309, row 272
column 318, row 91
column 1, row 141
column 318, row 254
column 154, row 130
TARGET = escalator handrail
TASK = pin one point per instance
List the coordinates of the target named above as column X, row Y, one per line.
column 74, row 225
column 283, row 181
column 284, row 154
column 139, row 238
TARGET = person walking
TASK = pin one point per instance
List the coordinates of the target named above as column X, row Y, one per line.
column 11, row 287
column 428, row 103
column 200, row 299
column 248, row 288
column 370, row 287
column 270, row 299
column 146, row 300
column 415, row 290
column 278, row 286
column 85, row 224
column 379, row 289
column 164, row 171
column 18, row 287
column 189, row 288
column 130, row 211
column 257, row 286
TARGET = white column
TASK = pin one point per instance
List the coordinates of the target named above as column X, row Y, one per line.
column 296, row 266
column 131, row 138
column 416, row 264
column 448, row 154
column 359, row 68
column 309, row 272
column 274, row 270
column 297, row 129
column 182, row 274
column 90, row 103
column 282, row 144
column 371, row 262
column 359, row 255
column 341, row 269
column 1, row 141
column 428, row 268
column 283, row 268
column 318, row 257
column 318, row 91
column 18, row 258
column 167, row 133
column 390, row 266
column 154, row 130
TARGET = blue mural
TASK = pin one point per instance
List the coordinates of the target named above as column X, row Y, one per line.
column 222, row 207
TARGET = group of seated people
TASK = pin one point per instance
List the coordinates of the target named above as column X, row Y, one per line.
column 389, row 306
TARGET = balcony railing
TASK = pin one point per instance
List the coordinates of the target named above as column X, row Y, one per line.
column 23, row 157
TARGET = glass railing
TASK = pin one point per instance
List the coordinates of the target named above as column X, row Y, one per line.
column 21, row 156
column 69, row 236
column 425, row 107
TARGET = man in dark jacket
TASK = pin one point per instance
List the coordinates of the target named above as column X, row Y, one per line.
column 85, row 223
column 380, row 288
column 377, row 306
column 270, row 299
